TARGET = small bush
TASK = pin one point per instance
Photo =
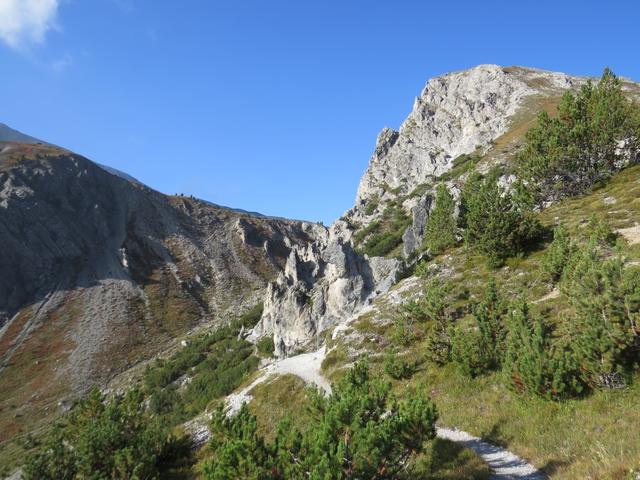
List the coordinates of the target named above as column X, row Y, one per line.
column 396, row 367
column 604, row 328
column 382, row 244
column 467, row 352
column 105, row 438
column 266, row 346
column 532, row 365
column 402, row 334
column 599, row 231
column 372, row 205
column 460, row 165
column 383, row 236
column 480, row 349
column 495, row 223
column 439, row 344
column 441, row 229
column 557, row 256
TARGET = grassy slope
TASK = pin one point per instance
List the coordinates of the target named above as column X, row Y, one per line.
column 595, row 437
column 285, row 396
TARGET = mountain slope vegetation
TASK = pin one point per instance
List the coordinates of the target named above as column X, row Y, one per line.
column 519, row 323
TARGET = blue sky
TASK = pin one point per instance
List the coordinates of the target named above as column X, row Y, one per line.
column 269, row 105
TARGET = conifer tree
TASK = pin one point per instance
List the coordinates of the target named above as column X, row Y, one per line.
column 480, row 349
column 532, row 364
column 569, row 153
column 435, row 307
column 494, row 222
column 441, row 228
column 103, row 438
column 605, row 337
column 558, row 254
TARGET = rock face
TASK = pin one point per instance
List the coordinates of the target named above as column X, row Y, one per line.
column 455, row 114
column 99, row 272
column 323, row 283
column 412, row 237
column 458, row 113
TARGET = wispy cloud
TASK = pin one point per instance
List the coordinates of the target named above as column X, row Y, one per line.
column 61, row 64
column 24, row 23
column 125, row 5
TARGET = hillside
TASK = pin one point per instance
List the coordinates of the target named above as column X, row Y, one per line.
column 100, row 273
column 486, row 279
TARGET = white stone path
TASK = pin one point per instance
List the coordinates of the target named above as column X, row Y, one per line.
column 504, row 464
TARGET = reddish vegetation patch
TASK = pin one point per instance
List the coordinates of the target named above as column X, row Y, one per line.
column 12, row 153
column 33, row 375
column 13, row 330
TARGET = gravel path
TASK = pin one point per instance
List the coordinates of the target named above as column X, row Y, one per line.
column 306, row 366
column 504, row 464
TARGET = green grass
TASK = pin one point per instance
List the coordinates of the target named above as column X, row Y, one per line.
column 383, row 237
column 460, row 165
column 591, row 437
column 450, row 461
column 276, row 399
column 284, row 396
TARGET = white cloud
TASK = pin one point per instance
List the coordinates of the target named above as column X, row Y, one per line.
column 25, row 22
column 62, row 63
column 125, row 5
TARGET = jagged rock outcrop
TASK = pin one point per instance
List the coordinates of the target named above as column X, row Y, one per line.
column 413, row 235
column 455, row 114
column 326, row 282
column 458, row 113
column 323, row 284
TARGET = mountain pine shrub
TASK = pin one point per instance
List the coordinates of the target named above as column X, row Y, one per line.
column 436, row 310
column 495, row 223
column 359, row 431
column 532, row 364
column 605, row 297
column 558, row 254
column 397, row 367
column 480, row 349
column 105, row 438
column 441, row 229
column 467, row 352
column 568, row 154
column 600, row 232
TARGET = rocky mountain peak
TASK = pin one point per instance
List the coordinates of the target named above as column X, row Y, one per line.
column 456, row 113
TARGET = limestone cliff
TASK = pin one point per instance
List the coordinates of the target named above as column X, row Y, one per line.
column 323, row 283
column 484, row 110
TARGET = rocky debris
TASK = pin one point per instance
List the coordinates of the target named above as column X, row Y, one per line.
column 630, row 234
column 555, row 293
column 627, row 152
column 117, row 268
column 305, row 366
column 322, row 284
